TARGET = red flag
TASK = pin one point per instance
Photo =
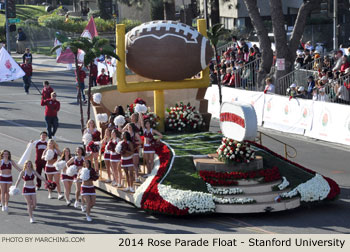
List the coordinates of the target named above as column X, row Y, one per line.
column 90, row 30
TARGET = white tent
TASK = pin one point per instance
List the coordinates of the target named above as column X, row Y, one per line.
column 9, row 69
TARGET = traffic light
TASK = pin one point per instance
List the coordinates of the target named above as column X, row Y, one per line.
column 12, row 28
column 11, row 9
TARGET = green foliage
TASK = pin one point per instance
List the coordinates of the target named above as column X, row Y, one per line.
column 95, row 14
column 2, row 33
column 215, row 32
column 157, row 10
column 103, row 12
column 129, row 24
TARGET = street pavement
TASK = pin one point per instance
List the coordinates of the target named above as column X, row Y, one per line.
column 22, row 119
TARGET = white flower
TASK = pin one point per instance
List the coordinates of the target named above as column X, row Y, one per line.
column 239, row 145
column 223, row 190
column 179, row 129
column 284, row 184
column 241, row 152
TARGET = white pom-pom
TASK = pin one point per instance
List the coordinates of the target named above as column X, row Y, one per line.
column 72, row 170
column 119, row 120
column 97, row 98
column 103, row 118
column 87, row 138
column 49, row 155
column 60, row 165
column 85, row 174
column 118, row 148
column 13, row 190
column 140, row 108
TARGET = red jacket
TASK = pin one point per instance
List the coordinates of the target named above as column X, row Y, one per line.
column 51, row 107
column 46, row 93
column 102, row 79
column 27, row 68
column 93, row 71
column 82, row 75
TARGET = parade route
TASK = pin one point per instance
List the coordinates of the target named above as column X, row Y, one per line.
column 22, row 119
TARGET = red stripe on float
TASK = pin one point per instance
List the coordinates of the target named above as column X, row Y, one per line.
column 230, row 117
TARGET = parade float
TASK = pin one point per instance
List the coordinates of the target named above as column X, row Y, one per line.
column 196, row 171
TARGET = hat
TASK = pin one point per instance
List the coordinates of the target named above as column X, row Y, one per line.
column 316, row 52
column 301, row 89
column 310, row 77
column 293, row 85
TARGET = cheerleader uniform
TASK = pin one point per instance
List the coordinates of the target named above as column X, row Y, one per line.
column 126, row 161
column 136, row 146
column 87, row 190
column 28, row 190
column 51, row 169
column 96, row 137
column 115, row 157
column 148, row 148
column 107, row 153
column 77, row 163
column 5, row 178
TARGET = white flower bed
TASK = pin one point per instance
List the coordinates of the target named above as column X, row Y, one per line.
column 314, row 189
column 196, row 202
column 233, row 200
column 284, row 184
column 224, row 191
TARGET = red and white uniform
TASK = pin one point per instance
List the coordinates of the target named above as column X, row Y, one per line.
column 103, row 79
column 96, row 137
column 87, row 190
column 28, row 190
column 136, row 146
column 79, row 164
column 148, row 147
column 40, row 147
column 115, row 157
column 51, row 169
column 5, row 178
column 126, row 161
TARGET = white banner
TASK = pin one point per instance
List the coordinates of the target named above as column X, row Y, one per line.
column 287, row 115
column 256, row 99
column 331, row 122
column 9, row 69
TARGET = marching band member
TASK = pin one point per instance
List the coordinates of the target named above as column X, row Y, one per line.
column 6, row 165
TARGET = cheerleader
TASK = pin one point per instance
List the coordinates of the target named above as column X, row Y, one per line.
column 6, row 165
column 107, row 153
column 148, row 147
column 50, row 170
column 92, row 153
column 87, row 188
column 136, row 140
column 78, row 161
column 28, row 174
column 115, row 157
column 127, row 153
column 67, row 180
column 137, row 119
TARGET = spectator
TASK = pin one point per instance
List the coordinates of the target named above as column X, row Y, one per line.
column 93, row 74
column 21, row 38
column 227, row 76
column 314, row 94
column 345, row 64
column 327, row 62
column 235, row 79
column 47, row 90
column 52, row 106
column 322, row 96
column 81, row 84
column 308, row 46
column 310, row 86
column 301, row 93
column 342, row 95
column 324, row 81
column 103, row 79
column 246, row 75
column 293, row 89
column 269, row 88
column 27, row 55
column 27, row 78
column 307, row 59
column 338, row 63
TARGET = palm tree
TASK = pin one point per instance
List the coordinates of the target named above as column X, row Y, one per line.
column 93, row 49
column 74, row 45
column 214, row 33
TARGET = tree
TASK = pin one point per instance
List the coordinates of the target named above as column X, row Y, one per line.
column 169, row 9
column 157, row 10
column 264, row 40
column 284, row 48
column 93, row 49
column 214, row 33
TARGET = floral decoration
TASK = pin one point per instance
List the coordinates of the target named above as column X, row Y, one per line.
column 224, row 191
column 284, row 184
column 234, row 151
column 242, row 201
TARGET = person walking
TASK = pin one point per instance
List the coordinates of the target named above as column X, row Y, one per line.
column 52, row 106
column 40, row 146
column 27, row 78
column 47, row 90
column 93, row 74
column 27, row 55
column 80, row 83
column 21, row 38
